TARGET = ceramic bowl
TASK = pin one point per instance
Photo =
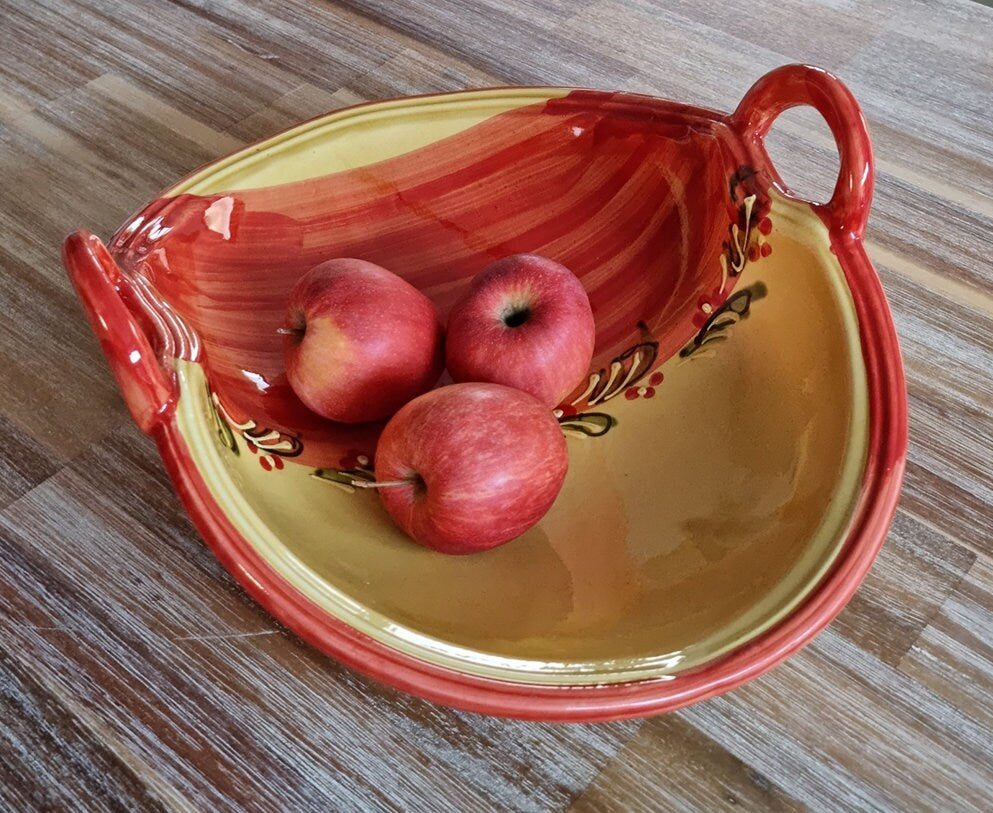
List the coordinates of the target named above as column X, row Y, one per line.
column 735, row 453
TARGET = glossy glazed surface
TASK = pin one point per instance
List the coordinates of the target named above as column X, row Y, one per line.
column 759, row 509
column 702, row 517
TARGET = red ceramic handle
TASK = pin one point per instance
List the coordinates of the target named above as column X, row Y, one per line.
column 148, row 392
column 793, row 85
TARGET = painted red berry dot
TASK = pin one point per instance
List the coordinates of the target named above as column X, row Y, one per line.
column 765, row 225
column 753, row 253
column 766, row 249
column 252, row 447
column 649, row 392
column 631, row 393
column 264, row 462
column 277, row 462
column 656, row 378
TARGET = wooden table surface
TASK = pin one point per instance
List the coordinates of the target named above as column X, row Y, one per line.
column 135, row 674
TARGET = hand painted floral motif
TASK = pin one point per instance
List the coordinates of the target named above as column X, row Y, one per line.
column 623, row 371
column 584, row 424
column 714, row 329
column 646, row 390
column 270, row 445
column 748, row 232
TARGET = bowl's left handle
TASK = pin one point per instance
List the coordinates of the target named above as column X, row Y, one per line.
column 148, row 391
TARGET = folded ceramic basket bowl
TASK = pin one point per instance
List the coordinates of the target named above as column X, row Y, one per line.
column 735, row 452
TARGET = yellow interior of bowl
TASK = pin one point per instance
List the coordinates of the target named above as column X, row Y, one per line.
column 702, row 518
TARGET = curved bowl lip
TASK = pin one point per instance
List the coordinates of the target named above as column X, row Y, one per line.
column 874, row 512
column 690, row 112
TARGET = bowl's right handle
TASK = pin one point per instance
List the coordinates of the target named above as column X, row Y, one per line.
column 793, row 85
column 149, row 394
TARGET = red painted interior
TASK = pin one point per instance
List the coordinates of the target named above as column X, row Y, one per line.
column 629, row 192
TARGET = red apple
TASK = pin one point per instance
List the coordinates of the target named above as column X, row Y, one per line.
column 468, row 467
column 359, row 341
column 526, row 322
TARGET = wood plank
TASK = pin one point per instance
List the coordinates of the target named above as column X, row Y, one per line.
column 948, row 355
column 303, row 102
column 51, row 761
column 172, row 54
column 44, row 345
column 412, row 71
column 174, row 123
column 948, row 173
column 38, row 65
column 966, row 293
column 502, row 39
column 954, row 655
column 947, row 507
column 23, row 464
column 912, row 577
column 415, row 71
column 841, row 730
column 671, row 765
column 960, row 69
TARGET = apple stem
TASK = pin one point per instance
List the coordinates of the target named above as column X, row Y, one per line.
column 382, row 483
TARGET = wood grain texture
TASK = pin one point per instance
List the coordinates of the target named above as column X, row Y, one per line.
column 51, row 761
column 673, row 765
column 839, row 729
column 134, row 673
